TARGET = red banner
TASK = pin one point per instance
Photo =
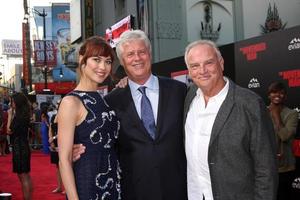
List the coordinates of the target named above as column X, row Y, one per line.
column 26, row 54
column 55, row 87
column 113, row 33
column 48, row 47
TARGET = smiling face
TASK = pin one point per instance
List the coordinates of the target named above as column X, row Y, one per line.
column 95, row 62
column 136, row 60
column 277, row 97
column 96, row 69
column 277, row 93
column 206, row 69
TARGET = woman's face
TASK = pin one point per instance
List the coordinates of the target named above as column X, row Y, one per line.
column 97, row 68
column 277, row 97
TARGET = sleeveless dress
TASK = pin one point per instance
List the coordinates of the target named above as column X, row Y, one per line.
column 21, row 151
column 97, row 172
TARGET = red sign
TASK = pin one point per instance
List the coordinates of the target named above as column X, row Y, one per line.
column 26, row 54
column 292, row 76
column 113, row 33
column 63, row 16
column 48, row 47
column 252, row 50
column 56, row 87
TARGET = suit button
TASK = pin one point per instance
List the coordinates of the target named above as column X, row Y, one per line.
column 212, row 163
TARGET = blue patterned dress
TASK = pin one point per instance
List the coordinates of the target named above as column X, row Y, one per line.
column 97, row 172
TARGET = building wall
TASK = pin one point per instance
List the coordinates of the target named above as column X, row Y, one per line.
column 168, row 32
column 108, row 12
column 243, row 19
column 223, row 14
column 103, row 9
column 167, row 28
column 175, row 23
column 255, row 13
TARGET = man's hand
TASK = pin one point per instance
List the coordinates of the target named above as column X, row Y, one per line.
column 122, row 83
column 78, row 149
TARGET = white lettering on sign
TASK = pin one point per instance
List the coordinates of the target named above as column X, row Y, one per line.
column 12, row 47
column 40, row 51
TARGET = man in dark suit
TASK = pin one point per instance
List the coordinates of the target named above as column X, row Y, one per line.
column 153, row 168
column 152, row 157
column 229, row 138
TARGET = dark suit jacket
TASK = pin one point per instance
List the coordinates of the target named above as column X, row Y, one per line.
column 241, row 154
column 152, row 169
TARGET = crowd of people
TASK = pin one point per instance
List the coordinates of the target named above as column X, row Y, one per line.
column 20, row 131
column 153, row 137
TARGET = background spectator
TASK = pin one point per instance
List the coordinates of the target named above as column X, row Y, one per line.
column 285, row 123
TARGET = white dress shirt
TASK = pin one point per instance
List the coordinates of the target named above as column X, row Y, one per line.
column 152, row 92
column 198, row 127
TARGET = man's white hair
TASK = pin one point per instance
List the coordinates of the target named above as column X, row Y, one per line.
column 201, row 42
column 129, row 36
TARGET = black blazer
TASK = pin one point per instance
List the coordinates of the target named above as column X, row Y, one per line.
column 152, row 169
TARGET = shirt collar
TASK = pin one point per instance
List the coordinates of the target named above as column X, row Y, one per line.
column 151, row 83
column 222, row 93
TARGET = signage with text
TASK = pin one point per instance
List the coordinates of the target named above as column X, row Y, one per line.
column 40, row 51
column 113, row 33
column 12, row 47
column 271, row 57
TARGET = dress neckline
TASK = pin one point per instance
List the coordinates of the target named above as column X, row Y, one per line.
column 87, row 91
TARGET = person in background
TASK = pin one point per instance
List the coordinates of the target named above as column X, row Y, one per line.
column 229, row 137
column 285, row 122
column 3, row 130
column 54, row 152
column 44, row 132
column 84, row 117
column 52, row 110
column 2, row 134
column 295, row 193
column 10, row 113
column 6, row 107
column 18, row 128
column 297, row 154
column 36, row 120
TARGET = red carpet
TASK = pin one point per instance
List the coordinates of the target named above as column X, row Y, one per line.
column 43, row 175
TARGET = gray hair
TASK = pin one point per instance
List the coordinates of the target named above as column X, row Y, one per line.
column 201, row 42
column 128, row 36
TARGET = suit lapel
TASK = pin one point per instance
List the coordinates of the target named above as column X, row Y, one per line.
column 223, row 113
column 129, row 104
column 162, row 104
